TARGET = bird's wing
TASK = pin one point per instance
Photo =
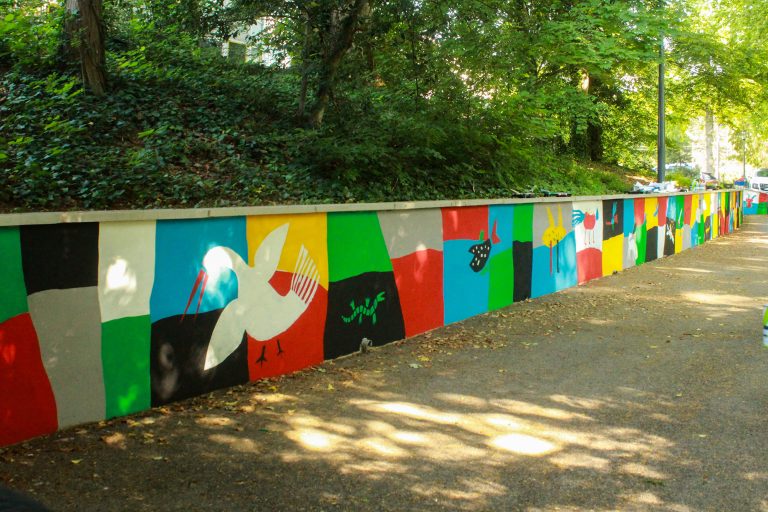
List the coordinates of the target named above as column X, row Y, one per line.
column 227, row 335
column 268, row 254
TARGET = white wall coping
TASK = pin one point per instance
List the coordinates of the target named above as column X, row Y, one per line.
column 24, row 219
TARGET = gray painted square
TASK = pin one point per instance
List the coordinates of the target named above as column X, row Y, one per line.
column 542, row 221
column 69, row 329
column 408, row 232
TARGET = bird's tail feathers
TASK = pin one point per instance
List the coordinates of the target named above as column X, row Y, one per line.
column 305, row 277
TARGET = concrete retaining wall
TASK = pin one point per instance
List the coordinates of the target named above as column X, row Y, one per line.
column 107, row 313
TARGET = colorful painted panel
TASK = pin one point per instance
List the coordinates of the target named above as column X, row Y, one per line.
column 652, row 228
column 27, row 404
column 126, row 276
column 287, row 312
column 68, row 327
column 415, row 245
column 178, row 359
column 755, row 203
column 688, row 222
column 126, row 269
column 180, row 270
column 125, row 356
column 60, row 256
column 663, row 205
column 631, row 233
column 61, row 275
column 13, row 299
column 502, row 281
column 522, row 250
column 670, row 226
column 554, row 249
column 467, row 247
column 363, row 299
column 613, row 236
column 588, row 220
column 200, row 272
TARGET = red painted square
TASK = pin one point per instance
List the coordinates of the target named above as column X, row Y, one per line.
column 589, row 264
column 639, row 212
column 663, row 201
column 300, row 346
column 465, row 223
column 687, row 211
column 419, row 279
column 27, row 404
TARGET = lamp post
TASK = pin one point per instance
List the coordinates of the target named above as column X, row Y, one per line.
column 744, row 153
column 661, row 156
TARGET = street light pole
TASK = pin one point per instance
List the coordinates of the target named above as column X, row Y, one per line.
column 661, row 155
column 744, row 154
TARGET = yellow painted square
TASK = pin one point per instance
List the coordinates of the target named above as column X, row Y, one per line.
column 613, row 252
column 309, row 230
column 651, row 212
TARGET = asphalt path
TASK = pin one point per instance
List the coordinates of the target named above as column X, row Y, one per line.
column 642, row 391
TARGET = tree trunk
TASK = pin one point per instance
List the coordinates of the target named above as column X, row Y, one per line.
column 304, row 69
column 595, row 149
column 709, row 136
column 92, row 55
column 340, row 43
column 68, row 53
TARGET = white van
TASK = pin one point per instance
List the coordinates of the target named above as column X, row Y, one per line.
column 759, row 181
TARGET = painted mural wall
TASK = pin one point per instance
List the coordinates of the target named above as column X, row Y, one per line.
column 755, row 203
column 99, row 320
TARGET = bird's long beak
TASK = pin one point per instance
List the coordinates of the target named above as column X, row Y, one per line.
column 201, row 280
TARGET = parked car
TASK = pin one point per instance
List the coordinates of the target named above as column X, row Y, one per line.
column 709, row 181
column 740, row 182
column 759, row 181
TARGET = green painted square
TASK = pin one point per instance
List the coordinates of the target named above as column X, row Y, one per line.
column 680, row 204
column 502, row 286
column 13, row 298
column 355, row 245
column 125, row 357
column 762, row 208
column 641, row 239
column 522, row 219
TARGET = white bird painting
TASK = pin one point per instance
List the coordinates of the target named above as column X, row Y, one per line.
column 258, row 309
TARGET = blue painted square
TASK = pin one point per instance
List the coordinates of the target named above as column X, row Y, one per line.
column 544, row 281
column 629, row 217
column 465, row 292
column 502, row 216
column 181, row 246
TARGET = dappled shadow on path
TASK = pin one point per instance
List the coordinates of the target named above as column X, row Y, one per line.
column 642, row 391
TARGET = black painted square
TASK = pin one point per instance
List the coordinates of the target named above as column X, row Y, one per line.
column 522, row 257
column 652, row 244
column 177, row 359
column 669, row 237
column 60, row 256
column 613, row 218
column 364, row 306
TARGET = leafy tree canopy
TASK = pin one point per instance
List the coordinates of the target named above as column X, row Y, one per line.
column 130, row 103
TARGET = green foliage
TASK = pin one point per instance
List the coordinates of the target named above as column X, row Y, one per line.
column 29, row 35
column 430, row 101
column 683, row 180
